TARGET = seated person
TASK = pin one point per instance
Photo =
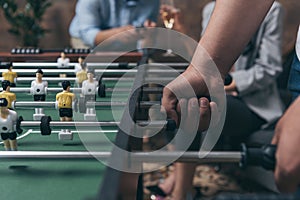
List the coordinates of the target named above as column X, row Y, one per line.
column 97, row 20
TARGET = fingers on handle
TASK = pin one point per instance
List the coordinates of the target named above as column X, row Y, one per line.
column 181, row 109
column 205, row 114
column 193, row 115
column 285, row 181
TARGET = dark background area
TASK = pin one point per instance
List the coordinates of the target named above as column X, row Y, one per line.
column 59, row 15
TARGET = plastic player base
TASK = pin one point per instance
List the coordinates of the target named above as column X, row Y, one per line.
column 38, row 117
column 65, row 135
column 90, row 117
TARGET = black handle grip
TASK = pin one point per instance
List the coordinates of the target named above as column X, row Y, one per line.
column 228, row 79
column 264, row 156
column 171, row 125
column 19, row 130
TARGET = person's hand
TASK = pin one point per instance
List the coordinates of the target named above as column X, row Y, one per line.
column 192, row 111
column 184, row 86
column 287, row 138
column 168, row 12
column 149, row 24
column 128, row 37
column 231, row 89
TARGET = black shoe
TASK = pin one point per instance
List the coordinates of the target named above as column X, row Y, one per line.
column 156, row 190
column 198, row 194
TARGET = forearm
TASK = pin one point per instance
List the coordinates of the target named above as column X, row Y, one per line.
column 105, row 34
column 230, row 28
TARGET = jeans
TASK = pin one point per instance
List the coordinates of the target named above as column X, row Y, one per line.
column 294, row 79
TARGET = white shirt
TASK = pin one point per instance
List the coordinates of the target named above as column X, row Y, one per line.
column 77, row 67
column 8, row 125
column 89, row 88
column 63, row 63
column 38, row 88
column 298, row 44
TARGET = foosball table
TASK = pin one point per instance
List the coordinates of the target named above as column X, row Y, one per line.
column 104, row 158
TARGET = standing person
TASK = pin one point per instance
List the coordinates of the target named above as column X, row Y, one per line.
column 253, row 90
column 287, row 137
column 97, row 20
column 294, row 79
column 237, row 21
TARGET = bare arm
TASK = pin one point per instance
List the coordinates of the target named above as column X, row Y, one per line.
column 105, row 34
column 231, row 26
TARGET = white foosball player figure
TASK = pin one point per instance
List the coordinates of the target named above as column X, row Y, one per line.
column 89, row 91
column 8, row 121
column 38, row 89
column 63, row 62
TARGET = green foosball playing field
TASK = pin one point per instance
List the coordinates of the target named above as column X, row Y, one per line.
column 51, row 179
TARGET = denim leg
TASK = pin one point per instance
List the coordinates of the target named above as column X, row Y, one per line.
column 294, row 79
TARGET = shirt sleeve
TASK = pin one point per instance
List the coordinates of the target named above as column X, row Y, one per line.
column 89, row 20
column 267, row 64
column 206, row 14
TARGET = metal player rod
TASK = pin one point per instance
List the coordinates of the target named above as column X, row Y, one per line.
column 143, row 104
column 97, row 71
column 78, row 90
column 50, row 104
column 46, row 71
column 72, row 64
column 39, row 64
column 57, row 79
column 212, row 157
column 154, row 124
column 27, row 90
column 159, row 71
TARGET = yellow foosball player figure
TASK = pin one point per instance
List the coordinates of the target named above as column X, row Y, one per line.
column 79, row 64
column 8, row 121
column 9, row 96
column 81, row 75
column 64, row 102
column 10, row 75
